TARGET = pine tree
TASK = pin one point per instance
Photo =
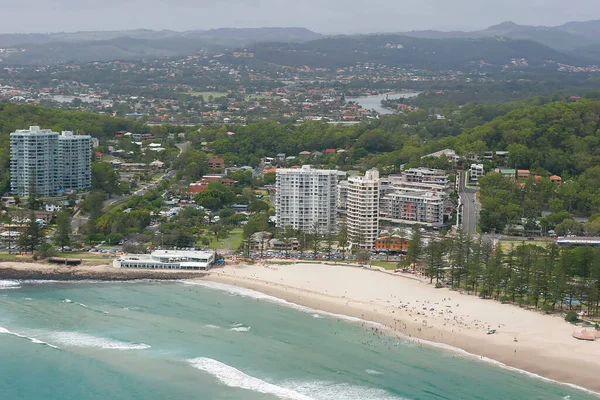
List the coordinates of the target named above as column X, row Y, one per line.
column 62, row 236
column 415, row 248
column 342, row 238
column 31, row 238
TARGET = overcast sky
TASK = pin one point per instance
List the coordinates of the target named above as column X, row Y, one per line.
column 325, row 16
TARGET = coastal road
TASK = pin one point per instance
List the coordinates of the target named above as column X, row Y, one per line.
column 470, row 206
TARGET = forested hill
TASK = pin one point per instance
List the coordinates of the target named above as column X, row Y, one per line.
column 547, row 137
column 562, row 138
column 15, row 116
column 332, row 52
column 404, row 51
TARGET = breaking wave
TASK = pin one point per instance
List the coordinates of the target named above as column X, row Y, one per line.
column 76, row 339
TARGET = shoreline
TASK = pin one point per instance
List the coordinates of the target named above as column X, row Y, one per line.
column 558, row 361
column 400, row 305
column 108, row 273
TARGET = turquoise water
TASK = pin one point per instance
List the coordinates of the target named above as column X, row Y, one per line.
column 185, row 341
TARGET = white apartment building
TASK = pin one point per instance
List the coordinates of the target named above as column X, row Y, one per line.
column 394, row 182
column 425, row 175
column 414, row 207
column 33, row 155
column 477, row 172
column 363, row 210
column 47, row 163
column 342, row 201
column 75, row 161
column 307, row 199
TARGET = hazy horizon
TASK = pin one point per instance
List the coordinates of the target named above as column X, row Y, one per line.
column 335, row 16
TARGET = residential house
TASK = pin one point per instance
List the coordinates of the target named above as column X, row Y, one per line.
column 216, row 164
column 157, row 164
column 476, row 171
column 507, row 173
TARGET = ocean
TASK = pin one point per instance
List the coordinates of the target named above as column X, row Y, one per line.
column 187, row 340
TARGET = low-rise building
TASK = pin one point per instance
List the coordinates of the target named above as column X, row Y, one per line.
column 425, row 175
column 556, row 179
column 449, row 153
column 216, row 164
column 168, row 259
column 477, row 171
column 392, row 242
column 507, row 173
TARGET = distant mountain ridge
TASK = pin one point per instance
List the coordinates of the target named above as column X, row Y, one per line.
column 411, row 52
column 567, row 37
column 576, row 43
column 224, row 36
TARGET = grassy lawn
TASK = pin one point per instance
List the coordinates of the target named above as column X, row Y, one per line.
column 156, row 177
column 84, row 255
column 507, row 244
column 8, row 257
column 232, row 242
column 384, row 264
column 206, row 94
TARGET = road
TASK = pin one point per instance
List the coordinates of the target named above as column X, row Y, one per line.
column 78, row 220
column 470, row 206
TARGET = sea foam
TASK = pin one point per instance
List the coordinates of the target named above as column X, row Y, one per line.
column 69, row 301
column 319, row 390
column 288, row 390
column 373, row 372
column 233, row 377
column 76, row 339
column 6, row 284
column 241, row 329
column 31, row 339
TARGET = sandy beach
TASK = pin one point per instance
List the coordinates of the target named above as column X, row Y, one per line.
column 411, row 307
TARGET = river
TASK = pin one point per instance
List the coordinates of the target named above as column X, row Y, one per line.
column 374, row 102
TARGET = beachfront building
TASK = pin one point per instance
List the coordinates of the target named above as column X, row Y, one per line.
column 394, row 241
column 307, row 199
column 414, row 207
column 46, row 163
column 362, row 210
column 342, row 200
column 168, row 259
